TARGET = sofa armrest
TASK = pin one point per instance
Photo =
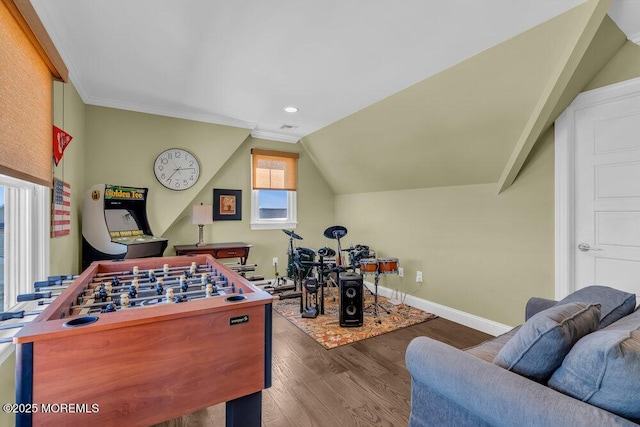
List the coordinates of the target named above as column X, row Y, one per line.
column 536, row 305
column 487, row 394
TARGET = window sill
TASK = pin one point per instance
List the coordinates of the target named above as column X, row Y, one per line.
column 273, row 225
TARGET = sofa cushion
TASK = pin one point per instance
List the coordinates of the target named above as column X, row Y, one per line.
column 488, row 349
column 603, row 369
column 537, row 349
column 614, row 303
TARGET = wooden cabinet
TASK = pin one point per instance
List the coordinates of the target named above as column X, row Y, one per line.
column 217, row 250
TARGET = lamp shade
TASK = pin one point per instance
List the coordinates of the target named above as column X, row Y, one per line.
column 202, row 214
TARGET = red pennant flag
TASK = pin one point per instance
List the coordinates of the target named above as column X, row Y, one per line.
column 60, row 141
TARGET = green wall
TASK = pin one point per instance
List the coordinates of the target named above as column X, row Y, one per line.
column 122, row 146
column 68, row 114
column 315, row 210
column 479, row 252
column 8, row 387
column 625, row 65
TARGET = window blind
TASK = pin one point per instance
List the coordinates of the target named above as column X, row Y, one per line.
column 274, row 170
column 26, row 93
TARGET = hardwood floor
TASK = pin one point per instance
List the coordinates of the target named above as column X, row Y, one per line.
column 361, row 384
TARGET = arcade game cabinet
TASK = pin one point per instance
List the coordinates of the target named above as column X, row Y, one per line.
column 115, row 225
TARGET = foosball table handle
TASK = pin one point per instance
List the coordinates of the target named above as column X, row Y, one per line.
column 34, row 296
column 11, row 315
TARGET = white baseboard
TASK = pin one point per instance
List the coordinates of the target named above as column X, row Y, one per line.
column 472, row 321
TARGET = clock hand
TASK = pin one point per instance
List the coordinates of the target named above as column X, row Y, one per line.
column 174, row 172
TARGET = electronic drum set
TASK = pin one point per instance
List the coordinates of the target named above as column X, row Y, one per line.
column 311, row 271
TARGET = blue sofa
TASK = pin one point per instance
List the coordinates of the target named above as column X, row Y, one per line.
column 503, row 382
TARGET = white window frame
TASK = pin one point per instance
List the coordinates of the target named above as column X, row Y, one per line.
column 291, row 222
column 27, row 229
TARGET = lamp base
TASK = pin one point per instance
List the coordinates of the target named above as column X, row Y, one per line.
column 200, row 235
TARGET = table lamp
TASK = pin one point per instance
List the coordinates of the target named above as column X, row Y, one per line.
column 201, row 215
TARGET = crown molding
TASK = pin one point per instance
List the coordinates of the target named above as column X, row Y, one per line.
column 199, row 117
column 274, row 136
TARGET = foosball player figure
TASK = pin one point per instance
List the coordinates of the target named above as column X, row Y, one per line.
column 169, row 295
column 102, row 294
column 133, row 292
column 193, row 268
column 109, row 308
column 165, row 269
column 136, row 270
column 152, row 276
column 159, row 289
column 208, row 292
column 184, row 286
column 124, row 300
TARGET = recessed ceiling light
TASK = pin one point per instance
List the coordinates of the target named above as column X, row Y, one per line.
column 291, row 109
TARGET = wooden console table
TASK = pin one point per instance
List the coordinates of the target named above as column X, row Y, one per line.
column 217, row 250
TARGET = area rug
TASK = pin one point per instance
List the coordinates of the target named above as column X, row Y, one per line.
column 326, row 329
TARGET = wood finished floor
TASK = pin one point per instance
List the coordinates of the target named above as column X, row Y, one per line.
column 361, row 384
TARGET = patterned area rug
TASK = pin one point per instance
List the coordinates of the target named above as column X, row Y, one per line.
column 326, row 329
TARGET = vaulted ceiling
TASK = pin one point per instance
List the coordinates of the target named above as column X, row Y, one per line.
column 390, row 94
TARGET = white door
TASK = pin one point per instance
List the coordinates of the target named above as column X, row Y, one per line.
column 606, row 207
column 608, row 195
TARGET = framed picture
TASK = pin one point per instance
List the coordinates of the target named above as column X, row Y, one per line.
column 227, row 205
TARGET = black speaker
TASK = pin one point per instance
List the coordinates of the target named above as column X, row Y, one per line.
column 351, row 299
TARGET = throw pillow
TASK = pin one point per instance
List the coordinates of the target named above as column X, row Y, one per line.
column 539, row 347
column 603, row 369
column 614, row 303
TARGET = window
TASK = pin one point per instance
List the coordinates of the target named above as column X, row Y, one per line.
column 25, row 255
column 25, row 147
column 3, row 308
column 273, row 194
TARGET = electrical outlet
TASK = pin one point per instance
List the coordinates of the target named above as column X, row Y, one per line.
column 400, row 271
column 419, row 276
column 275, row 260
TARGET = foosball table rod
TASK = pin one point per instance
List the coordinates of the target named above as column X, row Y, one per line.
column 135, row 271
column 125, row 300
column 160, row 286
column 203, row 279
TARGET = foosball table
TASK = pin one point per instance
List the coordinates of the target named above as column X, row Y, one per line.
column 141, row 341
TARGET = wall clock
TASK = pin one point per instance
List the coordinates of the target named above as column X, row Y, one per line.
column 176, row 169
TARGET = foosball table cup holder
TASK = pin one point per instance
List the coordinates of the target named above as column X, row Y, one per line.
column 236, row 298
column 80, row 321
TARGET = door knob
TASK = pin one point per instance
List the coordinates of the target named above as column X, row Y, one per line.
column 584, row 247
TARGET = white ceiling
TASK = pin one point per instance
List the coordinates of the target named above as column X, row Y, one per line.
column 239, row 62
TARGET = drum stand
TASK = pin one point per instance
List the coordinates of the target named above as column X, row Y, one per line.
column 375, row 300
column 294, row 272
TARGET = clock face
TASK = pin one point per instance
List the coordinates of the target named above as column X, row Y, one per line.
column 176, row 169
